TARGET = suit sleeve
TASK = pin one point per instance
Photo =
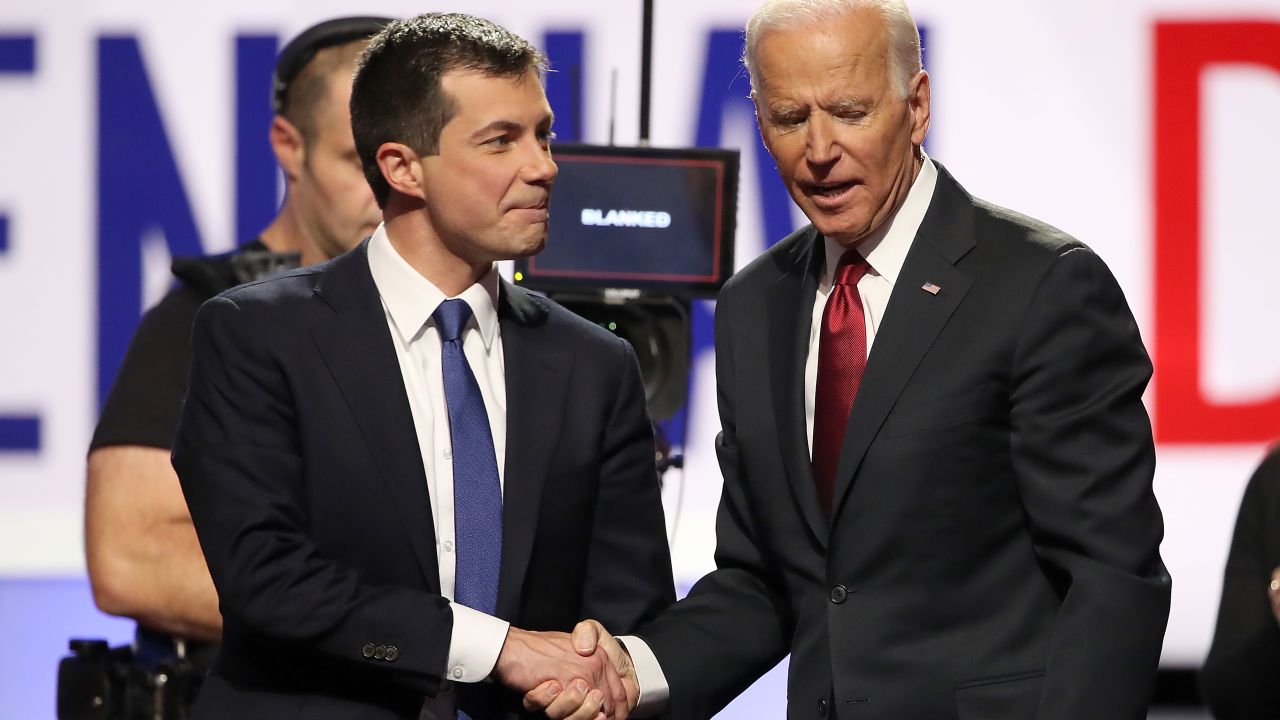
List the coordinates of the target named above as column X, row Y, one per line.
column 629, row 579
column 736, row 622
column 1239, row 677
column 1084, row 459
column 238, row 457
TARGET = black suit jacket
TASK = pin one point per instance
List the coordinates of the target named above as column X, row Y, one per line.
column 299, row 461
column 1240, row 675
column 993, row 551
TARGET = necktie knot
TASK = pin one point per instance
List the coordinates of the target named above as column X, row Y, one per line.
column 851, row 268
column 450, row 318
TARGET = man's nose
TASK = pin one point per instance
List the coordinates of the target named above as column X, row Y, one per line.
column 540, row 169
column 820, row 140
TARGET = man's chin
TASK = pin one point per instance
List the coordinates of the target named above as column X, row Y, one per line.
column 527, row 247
column 846, row 233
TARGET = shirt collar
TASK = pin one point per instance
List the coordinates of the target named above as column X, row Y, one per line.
column 886, row 249
column 411, row 299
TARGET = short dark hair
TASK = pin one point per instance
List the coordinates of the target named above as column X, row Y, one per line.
column 310, row 88
column 397, row 96
column 304, row 66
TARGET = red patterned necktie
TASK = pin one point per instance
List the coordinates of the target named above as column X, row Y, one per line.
column 842, row 357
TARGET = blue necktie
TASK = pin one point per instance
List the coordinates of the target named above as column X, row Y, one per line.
column 477, row 493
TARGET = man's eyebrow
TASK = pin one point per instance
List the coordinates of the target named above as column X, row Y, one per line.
column 498, row 126
column 511, row 126
column 850, row 103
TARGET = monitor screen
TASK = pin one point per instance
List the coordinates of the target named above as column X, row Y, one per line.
column 646, row 218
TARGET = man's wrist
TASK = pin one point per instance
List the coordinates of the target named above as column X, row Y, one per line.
column 652, row 682
column 475, row 644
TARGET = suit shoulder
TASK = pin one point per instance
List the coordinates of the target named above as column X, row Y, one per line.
column 1015, row 230
column 559, row 324
column 1266, row 480
column 278, row 291
column 580, row 329
column 273, row 305
column 280, row 286
column 785, row 256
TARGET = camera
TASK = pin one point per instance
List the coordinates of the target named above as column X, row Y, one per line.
column 98, row 682
column 635, row 235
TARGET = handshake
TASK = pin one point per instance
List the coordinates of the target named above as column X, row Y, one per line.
column 584, row 676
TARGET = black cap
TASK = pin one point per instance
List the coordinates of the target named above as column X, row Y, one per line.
column 304, row 47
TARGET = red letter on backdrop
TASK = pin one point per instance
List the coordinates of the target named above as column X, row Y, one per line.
column 1183, row 51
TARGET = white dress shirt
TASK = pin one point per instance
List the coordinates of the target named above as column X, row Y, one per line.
column 409, row 300
column 885, row 250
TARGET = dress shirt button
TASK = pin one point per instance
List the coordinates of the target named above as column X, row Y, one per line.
column 393, row 653
column 839, row 594
column 448, row 546
column 457, row 673
column 448, row 454
column 380, row 652
column 822, row 707
column 367, row 651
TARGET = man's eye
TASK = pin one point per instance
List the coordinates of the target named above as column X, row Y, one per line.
column 499, row 141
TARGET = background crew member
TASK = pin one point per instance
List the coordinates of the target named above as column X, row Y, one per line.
column 143, row 557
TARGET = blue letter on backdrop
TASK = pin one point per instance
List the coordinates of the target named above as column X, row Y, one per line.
column 140, row 191
column 564, row 83
column 256, row 176
column 20, row 433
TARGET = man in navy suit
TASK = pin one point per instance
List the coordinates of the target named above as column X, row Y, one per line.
column 937, row 464
column 402, row 468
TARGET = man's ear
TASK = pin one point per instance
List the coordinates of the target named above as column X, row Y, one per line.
column 401, row 169
column 760, row 120
column 918, row 102
column 289, row 147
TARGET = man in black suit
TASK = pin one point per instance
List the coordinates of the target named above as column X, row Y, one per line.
column 1238, row 680
column 395, row 460
column 937, row 465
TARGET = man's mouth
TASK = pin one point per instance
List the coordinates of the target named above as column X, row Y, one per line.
column 533, row 205
column 827, row 195
column 533, row 211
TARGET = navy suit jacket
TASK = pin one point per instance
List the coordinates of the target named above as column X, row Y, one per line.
column 299, row 460
column 994, row 546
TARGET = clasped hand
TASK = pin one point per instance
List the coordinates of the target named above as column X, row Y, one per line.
column 586, row 676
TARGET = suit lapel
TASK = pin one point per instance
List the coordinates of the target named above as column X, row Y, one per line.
column 790, row 306
column 537, row 376
column 356, row 345
column 912, row 320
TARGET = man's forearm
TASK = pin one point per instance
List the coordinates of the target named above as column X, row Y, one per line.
column 144, row 558
column 165, row 586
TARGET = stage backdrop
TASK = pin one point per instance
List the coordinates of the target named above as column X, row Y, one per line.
column 132, row 131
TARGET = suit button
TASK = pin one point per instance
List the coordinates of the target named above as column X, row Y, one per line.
column 367, row 651
column 393, row 653
column 838, row 595
column 822, row 707
column 380, row 652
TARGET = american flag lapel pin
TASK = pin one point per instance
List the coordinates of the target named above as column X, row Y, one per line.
column 930, row 288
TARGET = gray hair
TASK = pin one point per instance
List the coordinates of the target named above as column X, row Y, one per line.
column 903, row 37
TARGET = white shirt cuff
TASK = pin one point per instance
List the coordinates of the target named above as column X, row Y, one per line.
column 474, row 645
column 654, row 691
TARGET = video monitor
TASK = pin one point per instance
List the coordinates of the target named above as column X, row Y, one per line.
column 654, row 219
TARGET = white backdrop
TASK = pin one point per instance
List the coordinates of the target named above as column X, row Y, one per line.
column 1043, row 106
